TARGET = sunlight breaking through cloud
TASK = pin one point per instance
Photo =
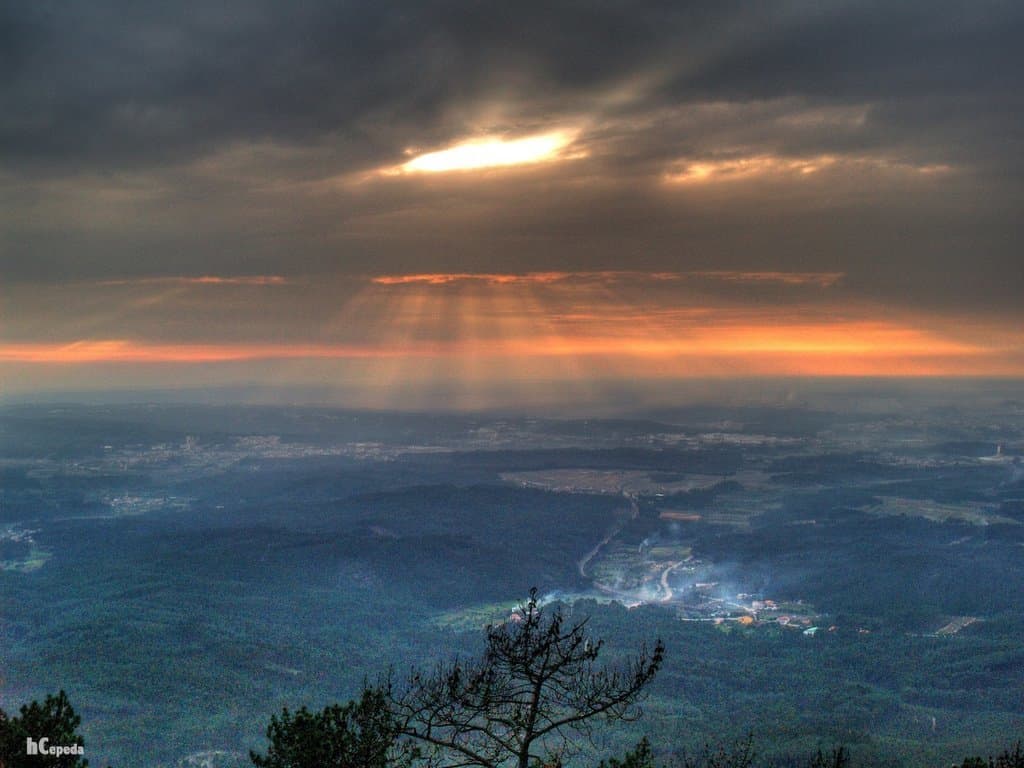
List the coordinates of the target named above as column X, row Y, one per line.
column 489, row 152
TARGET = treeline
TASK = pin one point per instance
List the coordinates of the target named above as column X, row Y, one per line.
column 532, row 699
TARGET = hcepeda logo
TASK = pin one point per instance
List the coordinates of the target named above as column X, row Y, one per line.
column 42, row 747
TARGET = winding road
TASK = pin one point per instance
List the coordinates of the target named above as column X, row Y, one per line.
column 585, row 560
column 667, row 593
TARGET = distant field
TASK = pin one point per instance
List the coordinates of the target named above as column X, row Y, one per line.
column 608, row 481
column 476, row 616
column 955, row 624
column 675, row 514
column 975, row 514
column 19, row 551
column 34, row 560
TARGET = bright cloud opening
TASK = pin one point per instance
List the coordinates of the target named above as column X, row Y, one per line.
column 490, row 153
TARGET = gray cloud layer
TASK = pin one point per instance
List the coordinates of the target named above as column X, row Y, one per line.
column 147, row 139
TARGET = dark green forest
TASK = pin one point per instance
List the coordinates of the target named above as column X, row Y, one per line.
column 184, row 574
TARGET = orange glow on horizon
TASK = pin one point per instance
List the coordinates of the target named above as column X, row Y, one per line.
column 487, row 332
column 124, row 351
column 846, row 349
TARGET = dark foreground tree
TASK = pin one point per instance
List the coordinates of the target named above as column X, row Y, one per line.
column 641, row 756
column 1008, row 759
column 839, row 757
column 532, row 695
column 359, row 734
column 738, row 754
column 55, row 721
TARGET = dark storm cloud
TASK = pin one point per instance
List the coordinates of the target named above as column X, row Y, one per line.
column 868, row 51
column 107, row 84
column 945, row 73
column 162, row 139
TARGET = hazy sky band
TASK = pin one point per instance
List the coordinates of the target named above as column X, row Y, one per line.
column 394, row 331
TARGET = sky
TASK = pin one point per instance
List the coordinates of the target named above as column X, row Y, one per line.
column 385, row 201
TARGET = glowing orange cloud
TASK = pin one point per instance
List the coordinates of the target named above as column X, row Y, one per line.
column 820, row 279
column 444, row 278
column 721, row 170
column 202, row 280
column 745, row 167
